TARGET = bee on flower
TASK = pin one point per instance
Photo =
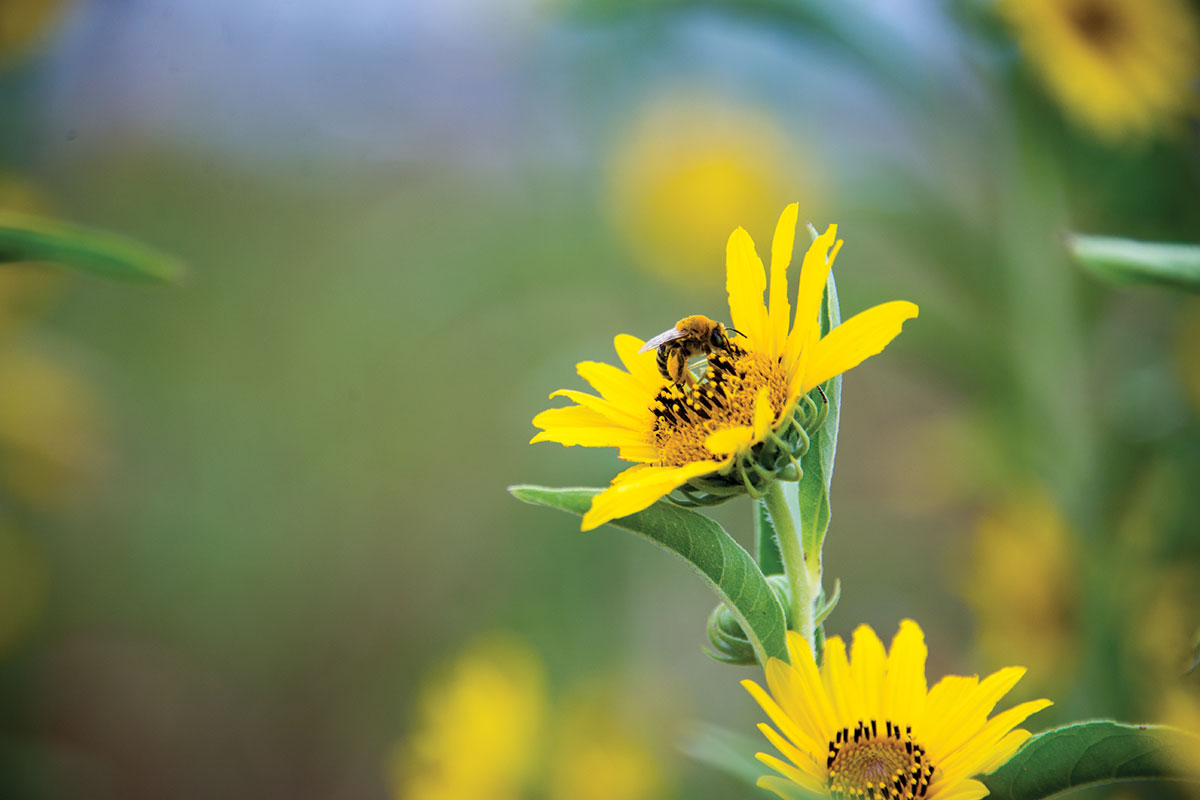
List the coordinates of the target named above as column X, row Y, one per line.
column 748, row 418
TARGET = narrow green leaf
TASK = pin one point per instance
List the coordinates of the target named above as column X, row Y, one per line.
column 28, row 238
column 1131, row 261
column 1086, row 753
column 1195, row 660
column 726, row 751
column 766, row 546
column 732, row 754
column 817, row 463
column 706, row 547
column 826, row 608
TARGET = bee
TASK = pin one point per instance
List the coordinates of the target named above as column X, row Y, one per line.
column 691, row 336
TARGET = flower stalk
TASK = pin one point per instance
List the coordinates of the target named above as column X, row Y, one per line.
column 800, row 575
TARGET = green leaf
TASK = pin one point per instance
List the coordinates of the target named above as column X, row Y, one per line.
column 28, row 238
column 1130, row 261
column 826, row 607
column 1086, row 753
column 706, row 547
column 766, row 546
column 732, row 754
column 817, row 463
column 726, row 751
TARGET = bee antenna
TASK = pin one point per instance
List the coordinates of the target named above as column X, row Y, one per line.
column 734, row 330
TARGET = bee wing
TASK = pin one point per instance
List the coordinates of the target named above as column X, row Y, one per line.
column 669, row 335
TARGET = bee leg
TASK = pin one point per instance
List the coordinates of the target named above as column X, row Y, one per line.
column 677, row 367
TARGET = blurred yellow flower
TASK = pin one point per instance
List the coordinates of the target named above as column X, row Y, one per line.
column 23, row 23
column 749, row 393
column 1124, row 68
column 690, row 167
column 597, row 758
column 1023, row 587
column 1180, row 708
column 22, row 585
column 1164, row 599
column 480, row 730
column 487, row 730
column 51, row 436
column 866, row 726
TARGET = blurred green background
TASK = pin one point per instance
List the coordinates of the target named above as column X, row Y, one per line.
column 250, row 523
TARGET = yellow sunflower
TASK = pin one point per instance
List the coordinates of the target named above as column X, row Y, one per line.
column 866, row 726
column 1124, row 68
column 480, row 730
column 691, row 165
column 681, row 433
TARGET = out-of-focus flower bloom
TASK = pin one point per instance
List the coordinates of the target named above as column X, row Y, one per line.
column 1123, row 68
column 1023, row 587
column 867, row 726
column 690, row 167
column 747, row 399
column 1163, row 627
column 23, row 23
column 51, row 437
column 598, row 758
column 1180, row 708
column 22, row 585
column 480, row 730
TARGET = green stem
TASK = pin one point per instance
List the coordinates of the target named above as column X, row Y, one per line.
column 794, row 566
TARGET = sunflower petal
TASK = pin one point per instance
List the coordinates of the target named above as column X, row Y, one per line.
column 746, row 280
column 803, row 759
column 634, row 419
column 842, row 690
column 965, row 720
column 781, row 256
column 813, row 274
column 729, row 441
column 787, row 726
column 965, row 790
column 616, row 385
column 983, row 753
column 867, row 663
column 904, row 687
column 640, row 365
column 795, row 785
column 576, row 425
column 855, row 340
column 764, row 414
column 638, row 487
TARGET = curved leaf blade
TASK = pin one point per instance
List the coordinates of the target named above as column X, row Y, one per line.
column 817, row 462
column 706, row 547
column 1119, row 260
column 24, row 237
column 1086, row 753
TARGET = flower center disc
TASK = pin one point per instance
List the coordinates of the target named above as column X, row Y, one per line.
column 685, row 415
column 865, row 765
column 1097, row 21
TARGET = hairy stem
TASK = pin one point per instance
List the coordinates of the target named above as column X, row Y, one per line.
column 794, row 567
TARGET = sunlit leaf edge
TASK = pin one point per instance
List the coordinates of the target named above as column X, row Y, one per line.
column 1092, row 752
